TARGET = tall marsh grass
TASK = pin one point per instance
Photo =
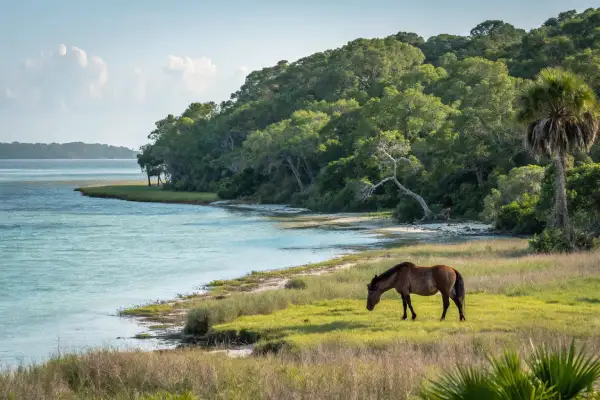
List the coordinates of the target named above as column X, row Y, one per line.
column 331, row 371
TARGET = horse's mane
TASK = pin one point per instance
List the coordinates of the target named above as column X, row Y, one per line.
column 391, row 272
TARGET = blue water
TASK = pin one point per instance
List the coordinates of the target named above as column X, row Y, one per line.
column 69, row 262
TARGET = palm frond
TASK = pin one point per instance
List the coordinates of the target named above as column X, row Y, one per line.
column 465, row 383
column 512, row 383
column 566, row 371
column 560, row 112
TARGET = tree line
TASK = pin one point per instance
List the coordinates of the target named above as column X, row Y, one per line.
column 430, row 127
column 72, row 150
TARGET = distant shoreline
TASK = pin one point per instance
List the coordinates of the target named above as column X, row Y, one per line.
column 70, row 150
column 67, row 159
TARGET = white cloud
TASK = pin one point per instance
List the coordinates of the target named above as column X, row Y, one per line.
column 195, row 74
column 68, row 76
column 80, row 55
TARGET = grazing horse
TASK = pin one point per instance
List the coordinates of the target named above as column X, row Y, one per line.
column 408, row 278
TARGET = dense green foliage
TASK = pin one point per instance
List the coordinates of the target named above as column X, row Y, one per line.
column 73, row 150
column 583, row 199
column 512, row 206
column 439, row 113
column 563, row 373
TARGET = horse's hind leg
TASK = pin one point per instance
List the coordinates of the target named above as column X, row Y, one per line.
column 412, row 311
column 404, row 306
column 446, row 302
column 459, row 305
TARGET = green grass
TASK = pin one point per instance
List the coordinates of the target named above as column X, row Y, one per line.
column 348, row 321
column 142, row 193
column 149, row 310
column 143, row 336
column 502, row 279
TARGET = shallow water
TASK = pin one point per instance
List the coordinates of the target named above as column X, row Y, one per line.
column 69, row 262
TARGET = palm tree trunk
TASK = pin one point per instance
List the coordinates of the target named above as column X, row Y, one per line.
column 561, row 212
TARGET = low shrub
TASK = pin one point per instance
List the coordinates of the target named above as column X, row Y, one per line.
column 520, row 216
column 556, row 241
column 295, row 283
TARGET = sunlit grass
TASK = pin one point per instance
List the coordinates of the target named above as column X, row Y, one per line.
column 144, row 193
column 348, row 320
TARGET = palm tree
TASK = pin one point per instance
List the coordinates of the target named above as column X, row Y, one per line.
column 561, row 114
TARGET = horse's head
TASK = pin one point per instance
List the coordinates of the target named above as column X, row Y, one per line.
column 374, row 294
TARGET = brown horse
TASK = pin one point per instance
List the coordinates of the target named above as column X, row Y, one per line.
column 408, row 278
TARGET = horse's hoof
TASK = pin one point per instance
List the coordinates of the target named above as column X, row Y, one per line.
column 404, row 318
column 414, row 317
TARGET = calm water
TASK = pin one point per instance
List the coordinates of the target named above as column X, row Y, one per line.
column 69, row 262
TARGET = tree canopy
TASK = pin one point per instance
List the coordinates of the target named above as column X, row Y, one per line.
column 310, row 132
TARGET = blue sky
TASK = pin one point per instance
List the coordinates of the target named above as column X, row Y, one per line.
column 104, row 71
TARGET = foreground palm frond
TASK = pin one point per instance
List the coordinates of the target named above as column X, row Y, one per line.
column 560, row 374
column 568, row 372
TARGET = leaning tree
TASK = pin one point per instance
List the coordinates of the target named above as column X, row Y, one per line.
column 392, row 153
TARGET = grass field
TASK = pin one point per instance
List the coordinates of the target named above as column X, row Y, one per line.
column 508, row 291
column 143, row 193
column 325, row 344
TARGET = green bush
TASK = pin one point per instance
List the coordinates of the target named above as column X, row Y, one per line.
column 520, row 183
column 556, row 241
column 295, row 283
column 551, row 374
column 520, row 216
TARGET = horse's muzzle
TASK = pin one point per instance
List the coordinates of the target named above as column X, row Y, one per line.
column 370, row 307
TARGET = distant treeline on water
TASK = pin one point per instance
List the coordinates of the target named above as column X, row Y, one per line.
column 72, row 150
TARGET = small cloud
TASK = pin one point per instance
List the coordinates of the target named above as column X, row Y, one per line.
column 80, row 55
column 67, row 74
column 195, row 73
column 242, row 71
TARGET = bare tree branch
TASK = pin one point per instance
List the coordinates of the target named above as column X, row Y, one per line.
column 367, row 189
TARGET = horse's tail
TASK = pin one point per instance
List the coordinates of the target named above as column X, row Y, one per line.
column 459, row 287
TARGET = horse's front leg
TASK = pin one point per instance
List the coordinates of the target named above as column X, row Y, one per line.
column 404, row 316
column 409, row 303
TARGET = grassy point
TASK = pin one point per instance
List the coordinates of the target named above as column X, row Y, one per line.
column 143, row 193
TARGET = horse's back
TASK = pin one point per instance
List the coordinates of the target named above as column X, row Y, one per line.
column 422, row 281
